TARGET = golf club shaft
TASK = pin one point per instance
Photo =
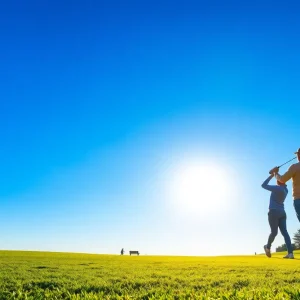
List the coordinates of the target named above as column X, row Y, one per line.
column 287, row 162
column 284, row 164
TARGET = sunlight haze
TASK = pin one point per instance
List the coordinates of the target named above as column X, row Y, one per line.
column 145, row 126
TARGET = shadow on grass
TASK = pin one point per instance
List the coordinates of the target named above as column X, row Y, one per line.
column 285, row 258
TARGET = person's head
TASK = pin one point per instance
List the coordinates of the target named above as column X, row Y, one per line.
column 298, row 154
column 280, row 183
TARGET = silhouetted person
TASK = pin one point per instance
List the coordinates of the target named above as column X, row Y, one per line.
column 122, row 251
column 294, row 174
column 277, row 215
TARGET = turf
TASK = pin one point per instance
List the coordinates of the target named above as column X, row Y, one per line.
column 46, row 275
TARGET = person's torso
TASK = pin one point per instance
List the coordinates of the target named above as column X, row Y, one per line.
column 277, row 197
column 296, row 181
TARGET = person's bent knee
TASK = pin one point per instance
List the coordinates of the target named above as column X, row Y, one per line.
column 284, row 232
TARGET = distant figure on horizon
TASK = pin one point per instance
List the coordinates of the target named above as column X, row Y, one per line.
column 122, row 251
column 294, row 173
column 277, row 215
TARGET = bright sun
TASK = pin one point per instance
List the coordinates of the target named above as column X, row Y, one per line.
column 200, row 189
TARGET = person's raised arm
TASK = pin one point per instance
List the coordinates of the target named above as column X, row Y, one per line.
column 265, row 184
column 287, row 175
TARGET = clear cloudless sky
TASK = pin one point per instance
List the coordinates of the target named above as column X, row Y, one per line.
column 103, row 102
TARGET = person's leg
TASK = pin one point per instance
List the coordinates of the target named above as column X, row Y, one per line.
column 274, row 222
column 283, row 230
column 297, row 208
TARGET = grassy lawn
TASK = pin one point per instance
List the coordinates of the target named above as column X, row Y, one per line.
column 45, row 275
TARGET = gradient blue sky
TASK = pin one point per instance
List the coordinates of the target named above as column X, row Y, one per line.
column 102, row 102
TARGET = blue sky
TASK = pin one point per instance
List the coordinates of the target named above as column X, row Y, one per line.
column 103, row 102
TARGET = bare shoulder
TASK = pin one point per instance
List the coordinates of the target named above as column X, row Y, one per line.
column 295, row 167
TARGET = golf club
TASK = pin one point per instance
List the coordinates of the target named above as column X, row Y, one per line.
column 285, row 163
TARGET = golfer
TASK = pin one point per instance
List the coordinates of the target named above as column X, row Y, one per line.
column 277, row 215
column 294, row 173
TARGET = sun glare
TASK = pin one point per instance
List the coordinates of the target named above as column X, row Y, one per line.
column 200, row 189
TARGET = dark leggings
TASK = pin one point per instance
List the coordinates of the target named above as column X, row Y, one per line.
column 297, row 208
column 277, row 218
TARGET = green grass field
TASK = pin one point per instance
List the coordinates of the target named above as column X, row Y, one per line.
column 44, row 275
